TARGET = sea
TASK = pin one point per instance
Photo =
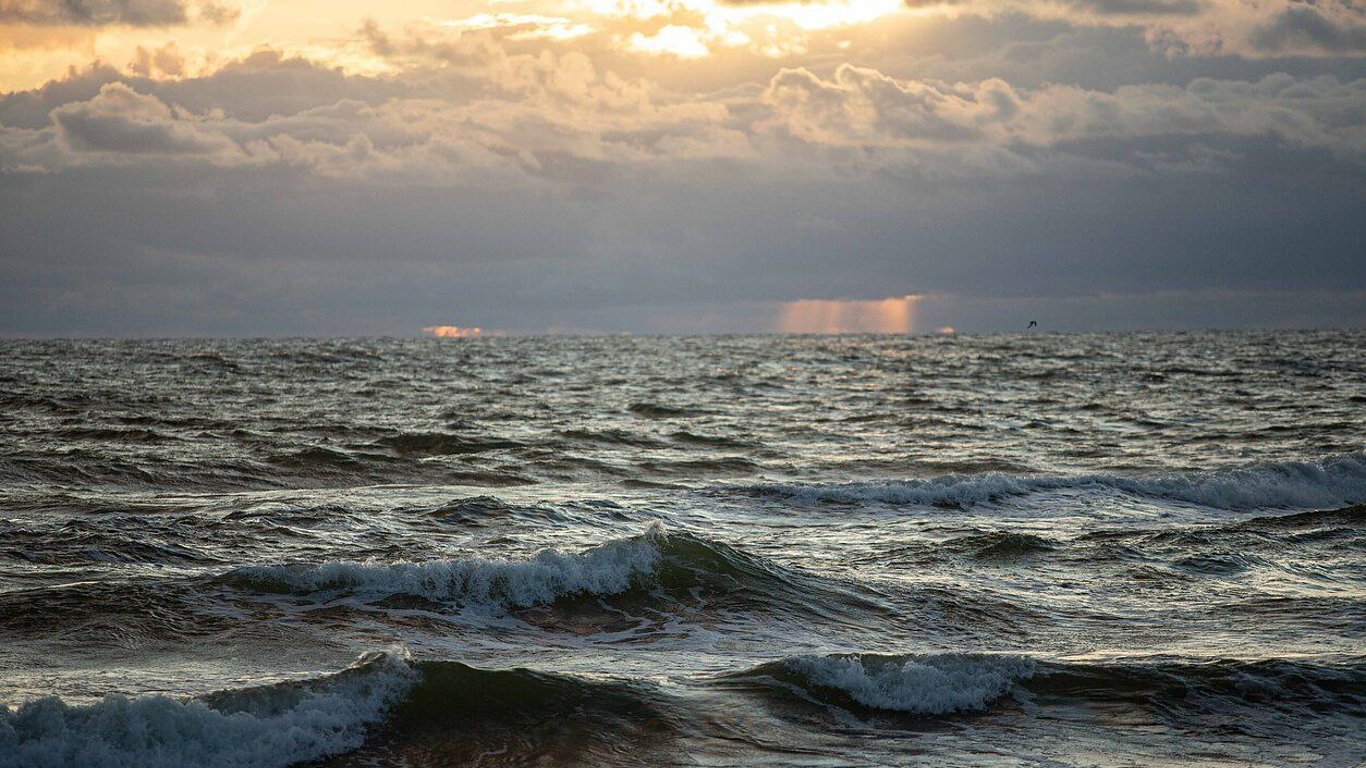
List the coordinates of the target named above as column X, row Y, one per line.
column 1012, row 550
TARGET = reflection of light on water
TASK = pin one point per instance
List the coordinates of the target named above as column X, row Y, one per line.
column 454, row 331
column 895, row 315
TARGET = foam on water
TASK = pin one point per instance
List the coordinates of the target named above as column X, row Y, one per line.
column 606, row 569
column 930, row 685
column 177, row 517
column 1333, row 482
column 273, row 726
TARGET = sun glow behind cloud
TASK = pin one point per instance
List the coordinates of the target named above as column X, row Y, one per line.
column 529, row 26
column 812, row 16
column 518, row 156
column 806, row 15
column 326, row 32
column 891, row 315
column 675, row 40
column 695, row 29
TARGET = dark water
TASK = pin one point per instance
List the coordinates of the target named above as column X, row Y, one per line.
column 1044, row 550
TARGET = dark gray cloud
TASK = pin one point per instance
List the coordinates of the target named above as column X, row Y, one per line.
column 278, row 251
column 1035, row 165
column 1140, row 7
column 1194, row 28
column 1307, row 27
column 147, row 13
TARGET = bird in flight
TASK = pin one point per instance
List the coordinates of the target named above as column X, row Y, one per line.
column 1032, row 324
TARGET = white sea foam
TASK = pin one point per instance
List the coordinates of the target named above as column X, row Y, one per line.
column 932, row 685
column 1334, row 482
column 607, row 569
column 263, row 728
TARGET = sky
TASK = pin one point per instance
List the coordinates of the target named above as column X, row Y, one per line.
column 342, row 168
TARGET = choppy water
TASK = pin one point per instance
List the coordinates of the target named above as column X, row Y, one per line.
column 1042, row 550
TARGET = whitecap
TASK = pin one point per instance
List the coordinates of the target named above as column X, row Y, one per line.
column 262, row 728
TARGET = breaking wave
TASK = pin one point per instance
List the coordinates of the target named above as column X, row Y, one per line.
column 388, row 709
column 1333, row 482
column 383, row 710
column 925, row 685
column 656, row 563
column 949, row 683
column 261, row 727
column 603, row 570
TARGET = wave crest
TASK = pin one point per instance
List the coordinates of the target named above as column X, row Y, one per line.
column 940, row 684
column 949, row 683
column 603, row 570
column 655, row 568
column 261, row 727
column 1333, row 482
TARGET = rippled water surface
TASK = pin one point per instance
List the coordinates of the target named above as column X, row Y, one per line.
column 827, row 551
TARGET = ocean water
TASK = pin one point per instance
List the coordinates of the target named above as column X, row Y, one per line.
column 1043, row 550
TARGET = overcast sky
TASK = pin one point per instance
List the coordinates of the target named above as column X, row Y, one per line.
column 337, row 167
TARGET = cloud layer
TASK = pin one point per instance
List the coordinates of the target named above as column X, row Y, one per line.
column 94, row 12
column 683, row 165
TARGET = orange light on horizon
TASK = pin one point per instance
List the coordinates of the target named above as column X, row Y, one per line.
column 892, row 315
column 454, row 331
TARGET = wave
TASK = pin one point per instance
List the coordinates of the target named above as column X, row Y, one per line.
column 463, row 715
column 941, row 684
column 1239, row 544
column 661, row 411
column 711, row 441
column 1001, row 545
column 384, row 710
column 388, row 709
column 319, row 456
column 951, row 683
column 261, row 727
column 1333, row 482
column 113, row 434
column 85, row 468
column 82, row 542
column 1259, row 690
column 104, row 613
column 417, row 444
column 612, row 437
column 607, row 569
column 738, row 465
column 1348, row 518
column 653, row 567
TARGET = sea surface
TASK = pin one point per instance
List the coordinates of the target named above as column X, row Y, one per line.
column 1024, row 550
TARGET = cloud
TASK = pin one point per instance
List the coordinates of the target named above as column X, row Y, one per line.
column 859, row 107
column 1251, row 28
column 119, row 121
column 1140, row 7
column 864, row 107
column 141, row 13
column 548, row 116
column 484, row 169
column 1306, row 27
column 165, row 61
column 560, row 119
